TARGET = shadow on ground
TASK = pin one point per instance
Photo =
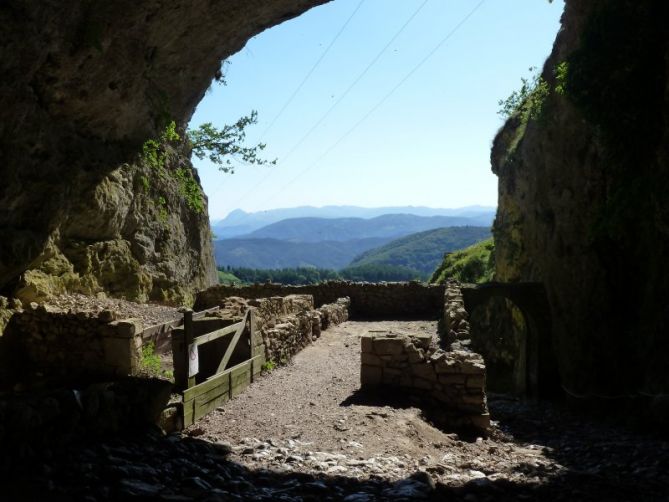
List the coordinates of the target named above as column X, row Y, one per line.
column 595, row 462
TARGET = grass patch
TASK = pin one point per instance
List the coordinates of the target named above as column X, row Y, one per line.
column 474, row 264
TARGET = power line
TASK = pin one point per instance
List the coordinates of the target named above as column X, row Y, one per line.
column 341, row 98
column 355, row 82
column 384, row 99
column 290, row 100
column 311, row 71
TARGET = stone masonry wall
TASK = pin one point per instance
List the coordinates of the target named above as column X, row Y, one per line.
column 456, row 318
column 452, row 382
column 398, row 300
column 285, row 325
column 50, row 344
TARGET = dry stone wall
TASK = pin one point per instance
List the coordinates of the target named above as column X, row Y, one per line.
column 451, row 381
column 46, row 343
column 285, row 324
column 399, row 300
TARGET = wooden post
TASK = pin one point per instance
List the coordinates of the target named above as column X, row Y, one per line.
column 178, row 359
column 188, row 339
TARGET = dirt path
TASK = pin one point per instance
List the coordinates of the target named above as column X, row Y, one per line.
column 315, row 400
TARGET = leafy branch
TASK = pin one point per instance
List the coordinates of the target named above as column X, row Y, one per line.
column 527, row 102
column 225, row 147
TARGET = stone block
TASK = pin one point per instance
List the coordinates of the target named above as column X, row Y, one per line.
column 416, row 356
column 481, row 422
column 120, row 354
column 423, row 370
column 367, row 343
column 473, row 398
column 394, row 358
column 389, row 346
column 127, row 328
column 452, row 379
column 370, row 359
column 421, row 340
column 447, row 366
column 421, row 383
column 370, row 375
column 476, row 382
column 473, row 368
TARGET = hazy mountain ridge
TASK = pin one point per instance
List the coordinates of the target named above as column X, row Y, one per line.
column 239, row 222
column 390, row 226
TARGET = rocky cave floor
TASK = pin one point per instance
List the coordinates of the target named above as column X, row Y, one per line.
column 306, row 432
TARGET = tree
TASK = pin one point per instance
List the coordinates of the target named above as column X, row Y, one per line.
column 225, row 147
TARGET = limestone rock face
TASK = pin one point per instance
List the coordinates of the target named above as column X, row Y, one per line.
column 582, row 197
column 83, row 87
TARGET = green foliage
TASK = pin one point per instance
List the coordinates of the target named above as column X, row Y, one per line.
column 561, row 76
column 155, row 155
column 529, row 101
column 474, row 264
column 308, row 275
column 268, row 366
column 225, row 146
column 294, row 276
column 162, row 209
column 190, row 189
column 145, row 183
column 422, row 251
column 225, row 277
column 379, row 272
column 150, row 361
column 154, row 152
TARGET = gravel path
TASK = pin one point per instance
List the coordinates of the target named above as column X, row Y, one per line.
column 315, row 399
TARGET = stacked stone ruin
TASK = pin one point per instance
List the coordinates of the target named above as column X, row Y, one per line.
column 451, row 382
column 50, row 343
column 285, row 324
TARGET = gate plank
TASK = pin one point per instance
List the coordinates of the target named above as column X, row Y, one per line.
column 233, row 343
column 210, row 337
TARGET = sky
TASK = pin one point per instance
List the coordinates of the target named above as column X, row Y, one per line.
column 408, row 125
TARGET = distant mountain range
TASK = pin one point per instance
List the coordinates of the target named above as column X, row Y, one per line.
column 422, row 251
column 389, row 226
column 274, row 253
column 239, row 222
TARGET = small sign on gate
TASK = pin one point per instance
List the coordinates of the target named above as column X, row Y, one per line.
column 193, row 362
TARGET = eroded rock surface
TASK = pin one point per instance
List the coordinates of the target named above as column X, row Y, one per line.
column 582, row 197
column 83, row 88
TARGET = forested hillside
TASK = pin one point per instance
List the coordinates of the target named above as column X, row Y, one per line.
column 473, row 264
column 275, row 253
column 422, row 251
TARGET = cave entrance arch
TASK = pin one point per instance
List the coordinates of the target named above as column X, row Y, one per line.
column 539, row 364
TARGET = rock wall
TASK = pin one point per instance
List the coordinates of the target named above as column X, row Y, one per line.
column 582, row 194
column 398, row 300
column 83, row 89
column 43, row 344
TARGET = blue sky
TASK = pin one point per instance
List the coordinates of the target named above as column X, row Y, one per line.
column 427, row 144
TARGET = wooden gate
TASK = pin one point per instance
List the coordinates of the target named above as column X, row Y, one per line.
column 213, row 365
